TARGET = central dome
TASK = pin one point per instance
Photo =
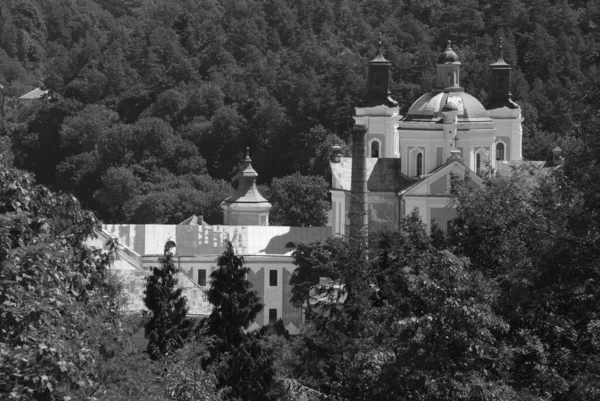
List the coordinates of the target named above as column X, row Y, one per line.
column 429, row 107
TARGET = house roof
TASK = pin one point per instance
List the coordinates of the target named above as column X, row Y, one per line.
column 150, row 239
column 37, row 93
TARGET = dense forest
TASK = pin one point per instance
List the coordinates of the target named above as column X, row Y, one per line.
column 153, row 102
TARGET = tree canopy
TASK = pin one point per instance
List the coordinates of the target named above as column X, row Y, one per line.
column 153, row 92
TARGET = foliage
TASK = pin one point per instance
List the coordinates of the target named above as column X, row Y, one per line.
column 246, row 364
column 299, row 201
column 58, row 306
column 535, row 236
column 282, row 77
column 410, row 321
column 167, row 326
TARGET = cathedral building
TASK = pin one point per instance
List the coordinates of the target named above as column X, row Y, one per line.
column 411, row 159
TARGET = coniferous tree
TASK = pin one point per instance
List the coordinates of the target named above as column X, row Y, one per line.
column 167, row 327
column 246, row 362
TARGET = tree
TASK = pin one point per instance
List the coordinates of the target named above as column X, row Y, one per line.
column 247, row 363
column 58, row 306
column 535, row 235
column 167, row 326
column 409, row 321
column 299, row 201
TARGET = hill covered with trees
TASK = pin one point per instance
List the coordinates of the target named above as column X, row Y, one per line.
column 159, row 98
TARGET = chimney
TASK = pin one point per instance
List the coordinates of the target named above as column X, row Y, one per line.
column 557, row 156
column 359, row 217
column 336, row 153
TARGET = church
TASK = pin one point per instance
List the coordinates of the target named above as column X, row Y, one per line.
column 399, row 164
column 409, row 160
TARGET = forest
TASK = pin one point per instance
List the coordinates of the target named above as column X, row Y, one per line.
column 151, row 105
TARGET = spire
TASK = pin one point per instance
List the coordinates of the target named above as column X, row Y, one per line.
column 378, row 80
column 246, row 206
column 499, row 90
column 500, row 62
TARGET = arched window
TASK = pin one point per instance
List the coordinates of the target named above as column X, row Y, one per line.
column 499, row 151
column 478, row 163
column 375, row 149
column 419, row 164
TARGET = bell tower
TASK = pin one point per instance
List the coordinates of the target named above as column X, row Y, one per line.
column 379, row 113
column 499, row 91
column 505, row 113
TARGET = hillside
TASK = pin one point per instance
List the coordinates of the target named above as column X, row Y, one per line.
column 159, row 98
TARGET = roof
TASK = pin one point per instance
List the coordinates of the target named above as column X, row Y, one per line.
column 37, row 93
column 453, row 162
column 150, row 239
column 429, row 107
column 246, row 192
column 379, row 59
column 384, row 175
column 134, row 282
column 448, row 55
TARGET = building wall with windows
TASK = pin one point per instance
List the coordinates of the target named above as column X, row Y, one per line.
column 266, row 250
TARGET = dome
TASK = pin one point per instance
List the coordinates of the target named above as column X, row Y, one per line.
column 449, row 107
column 430, row 106
column 448, row 55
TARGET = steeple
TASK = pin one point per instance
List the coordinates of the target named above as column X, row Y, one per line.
column 246, row 206
column 448, row 71
column 499, row 91
column 378, row 81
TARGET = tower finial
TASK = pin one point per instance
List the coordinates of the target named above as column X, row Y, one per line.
column 449, row 45
column 247, row 152
column 379, row 42
column 500, row 46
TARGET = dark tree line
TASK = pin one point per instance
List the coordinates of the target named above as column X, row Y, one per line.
column 206, row 79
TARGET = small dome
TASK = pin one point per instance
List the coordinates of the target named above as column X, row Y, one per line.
column 430, row 106
column 448, row 55
column 449, row 107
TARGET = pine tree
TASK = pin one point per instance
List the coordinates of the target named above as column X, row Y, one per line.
column 246, row 363
column 235, row 306
column 167, row 327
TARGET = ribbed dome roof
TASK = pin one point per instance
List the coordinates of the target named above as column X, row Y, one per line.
column 429, row 107
column 448, row 55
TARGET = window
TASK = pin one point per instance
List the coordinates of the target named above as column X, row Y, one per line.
column 273, row 278
column 375, row 149
column 450, row 80
column 500, row 151
column 420, row 164
column 202, row 277
column 272, row 315
column 478, row 163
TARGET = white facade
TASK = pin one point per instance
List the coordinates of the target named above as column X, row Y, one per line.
column 382, row 128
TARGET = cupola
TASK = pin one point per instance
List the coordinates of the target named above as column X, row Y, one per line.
column 448, row 71
column 246, row 206
column 378, row 81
